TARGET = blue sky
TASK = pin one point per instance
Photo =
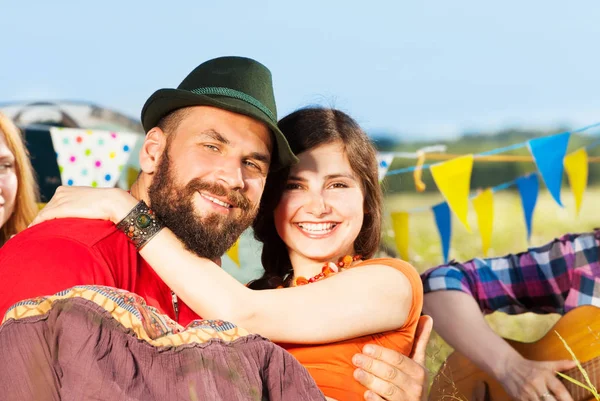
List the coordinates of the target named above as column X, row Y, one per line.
column 414, row 69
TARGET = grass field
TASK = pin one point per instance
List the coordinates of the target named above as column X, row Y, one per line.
column 549, row 221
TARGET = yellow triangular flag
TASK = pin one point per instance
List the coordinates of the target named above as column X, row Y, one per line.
column 484, row 207
column 576, row 166
column 453, row 179
column 400, row 227
column 233, row 253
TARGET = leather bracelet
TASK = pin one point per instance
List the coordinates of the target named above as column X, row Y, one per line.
column 140, row 225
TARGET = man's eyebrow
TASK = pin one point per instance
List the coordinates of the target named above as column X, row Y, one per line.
column 261, row 157
column 211, row 133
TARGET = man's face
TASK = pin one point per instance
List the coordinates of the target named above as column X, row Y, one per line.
column 209, row 180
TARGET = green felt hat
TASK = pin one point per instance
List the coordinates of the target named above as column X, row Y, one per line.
column 237, row 84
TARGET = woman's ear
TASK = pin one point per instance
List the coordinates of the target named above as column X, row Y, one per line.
column 152, row 149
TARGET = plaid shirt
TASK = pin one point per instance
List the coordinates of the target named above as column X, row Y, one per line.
column 553, row 278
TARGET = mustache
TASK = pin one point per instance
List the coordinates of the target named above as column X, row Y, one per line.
column 234, row 198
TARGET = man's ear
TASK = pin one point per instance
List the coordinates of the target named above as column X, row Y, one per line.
column 152, row 149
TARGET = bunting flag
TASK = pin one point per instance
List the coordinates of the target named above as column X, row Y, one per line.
column 443, row 221
column 528, row 190
column 548, row 154
column 384, row 161
column 484, row 207
column 576, row 166
column 233, row 253
column 400, row 227
column 453, row 179
column 90, row 157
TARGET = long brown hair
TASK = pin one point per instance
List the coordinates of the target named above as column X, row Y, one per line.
column 306, row 129
column 27, row 190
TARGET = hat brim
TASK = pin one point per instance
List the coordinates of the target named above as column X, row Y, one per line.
column 165, row 101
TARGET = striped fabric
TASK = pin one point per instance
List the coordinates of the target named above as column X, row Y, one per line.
column 553, row 278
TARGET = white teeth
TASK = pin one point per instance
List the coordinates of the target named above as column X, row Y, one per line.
column 215, row 200
column 317, row 227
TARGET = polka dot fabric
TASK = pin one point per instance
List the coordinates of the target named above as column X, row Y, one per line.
column 92, row 157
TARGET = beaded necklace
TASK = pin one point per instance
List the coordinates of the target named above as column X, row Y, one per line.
column 328, row 269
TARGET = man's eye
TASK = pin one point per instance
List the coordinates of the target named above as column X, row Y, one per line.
column 211, row 147
column 252, row 165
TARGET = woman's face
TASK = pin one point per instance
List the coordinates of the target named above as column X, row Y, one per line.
column 8, row 181
column 322, row 208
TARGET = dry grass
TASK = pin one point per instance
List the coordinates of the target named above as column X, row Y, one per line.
column 550, row 221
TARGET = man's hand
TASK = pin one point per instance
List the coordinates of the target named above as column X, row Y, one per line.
column 392, row 376
column 527, row 380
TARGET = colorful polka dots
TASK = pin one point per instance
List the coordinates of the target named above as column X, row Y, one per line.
column 94, row 158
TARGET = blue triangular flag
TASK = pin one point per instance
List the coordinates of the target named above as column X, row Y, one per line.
column 528, row 189
column 444, row 225
column 548, row 153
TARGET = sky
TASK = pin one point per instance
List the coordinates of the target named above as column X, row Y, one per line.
column 429, row 69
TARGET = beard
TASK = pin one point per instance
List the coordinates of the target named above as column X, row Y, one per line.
column 208, row 236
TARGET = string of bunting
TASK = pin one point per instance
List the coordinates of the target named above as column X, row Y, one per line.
column 453, row 179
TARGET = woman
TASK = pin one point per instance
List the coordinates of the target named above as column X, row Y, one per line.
column 327, row 212
column 18, row 189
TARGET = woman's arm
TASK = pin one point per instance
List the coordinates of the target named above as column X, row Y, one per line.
column 343, row 306
column 360, row 301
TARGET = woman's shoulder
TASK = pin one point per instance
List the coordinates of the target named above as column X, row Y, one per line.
column 397, row 264
column 402, row 266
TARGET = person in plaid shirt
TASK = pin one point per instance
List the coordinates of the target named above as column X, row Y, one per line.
column 553, row 278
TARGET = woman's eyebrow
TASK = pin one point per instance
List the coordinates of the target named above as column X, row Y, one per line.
column 334, row 176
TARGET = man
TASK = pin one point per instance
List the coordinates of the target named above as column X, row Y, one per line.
column 553, row 278
column 225, row 105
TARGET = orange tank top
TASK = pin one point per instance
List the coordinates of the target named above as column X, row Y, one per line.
column 331, row 364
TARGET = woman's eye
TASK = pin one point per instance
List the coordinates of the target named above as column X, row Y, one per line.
column 6, row 166
column 292, row 186
column 339, row 185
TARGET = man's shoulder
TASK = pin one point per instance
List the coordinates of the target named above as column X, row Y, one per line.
column 86, row 232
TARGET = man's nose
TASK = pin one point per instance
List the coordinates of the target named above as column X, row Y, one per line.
column 230, row 174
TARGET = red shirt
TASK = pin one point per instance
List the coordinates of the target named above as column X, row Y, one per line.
column 59, row 254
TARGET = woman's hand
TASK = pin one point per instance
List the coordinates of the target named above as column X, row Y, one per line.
column 88, row 203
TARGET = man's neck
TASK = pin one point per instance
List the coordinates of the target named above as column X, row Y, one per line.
column 140, row 191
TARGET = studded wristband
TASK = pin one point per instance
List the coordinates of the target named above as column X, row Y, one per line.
column 140, row 225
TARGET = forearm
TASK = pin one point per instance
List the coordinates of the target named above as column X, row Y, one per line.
column 210, row 291
column 458, row 319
